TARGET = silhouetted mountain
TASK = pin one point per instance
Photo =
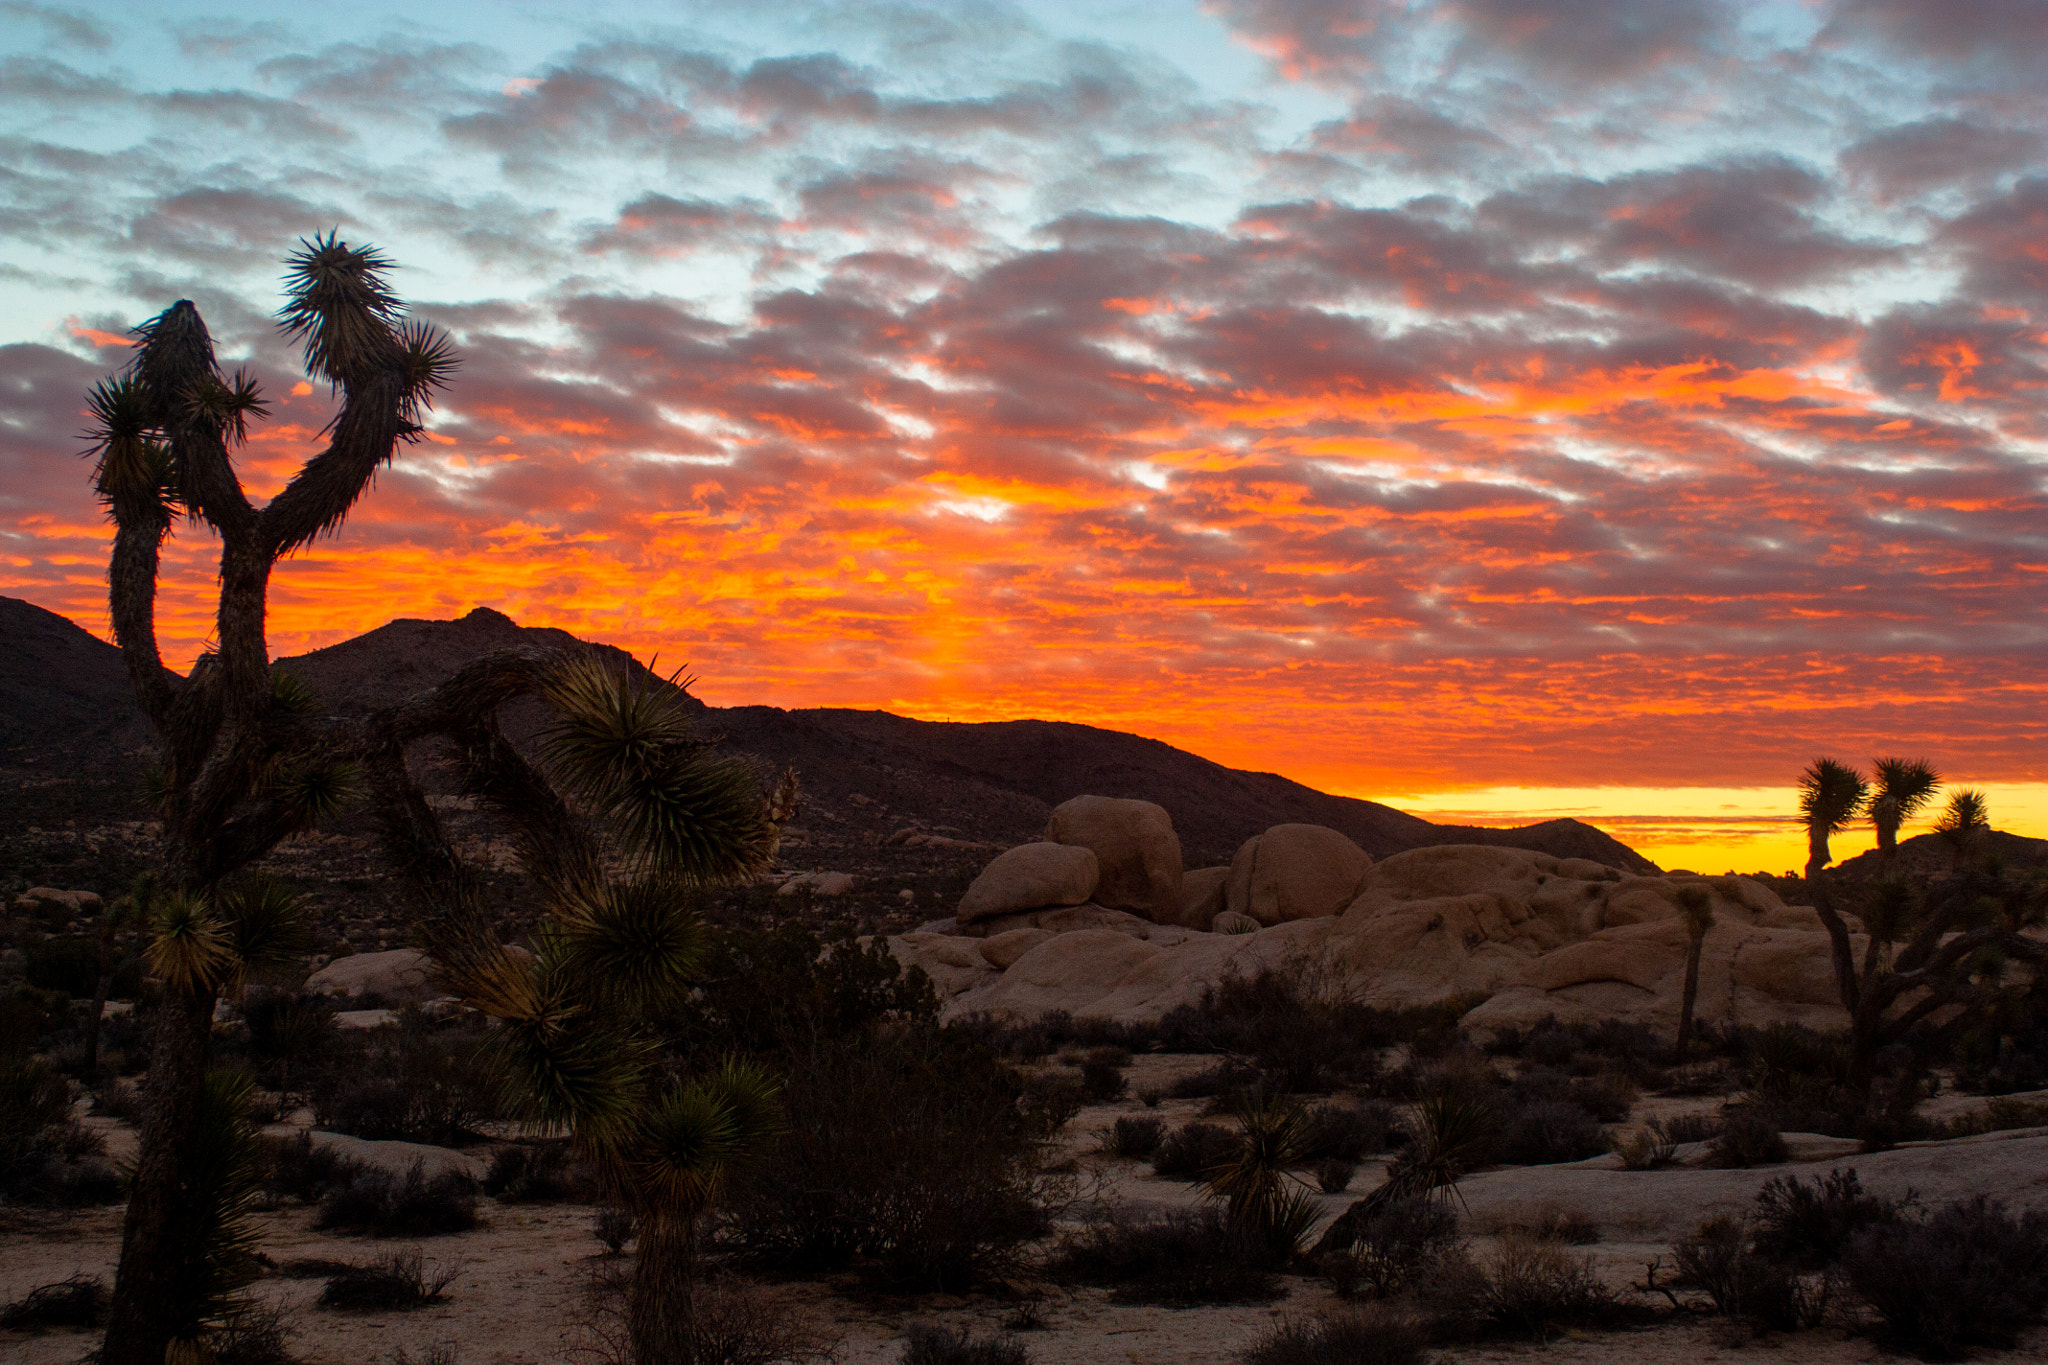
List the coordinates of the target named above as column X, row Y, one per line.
column 869, row 777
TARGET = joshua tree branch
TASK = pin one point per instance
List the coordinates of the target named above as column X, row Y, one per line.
column 317, row 499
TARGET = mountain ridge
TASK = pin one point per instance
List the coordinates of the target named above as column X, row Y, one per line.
column 869, row 775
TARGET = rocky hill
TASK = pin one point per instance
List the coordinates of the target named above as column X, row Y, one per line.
column 908, row 805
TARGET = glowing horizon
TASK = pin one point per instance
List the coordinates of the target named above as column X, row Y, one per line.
column 1485, row 405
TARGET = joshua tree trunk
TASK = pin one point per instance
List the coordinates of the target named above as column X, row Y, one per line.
column 146, row 1283
column 1691, row 996
column 92, row 1025
column 660, row 1306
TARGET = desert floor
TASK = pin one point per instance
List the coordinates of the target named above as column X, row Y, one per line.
column 521, row 1297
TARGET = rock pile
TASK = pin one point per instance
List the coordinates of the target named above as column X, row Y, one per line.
column 1099, row 920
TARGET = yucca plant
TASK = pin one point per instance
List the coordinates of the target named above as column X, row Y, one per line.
column 618, row 947
column 1269, row 1209
column 1456, row 1128
column 242, row 761
column 213, row 1242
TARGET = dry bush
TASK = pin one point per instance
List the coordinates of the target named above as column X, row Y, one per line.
column 1721, row 1258
column 1372, row 1334
column 1182, row 1257
column 1188, row 1151
column 1748, row 1138
column 1970, row 1275
column 413, row 1205
column 1524, row 1288
column 1809, row 1227
column 80, row 1301
column 732, row 1323
column 929, row 1344
column 400, row 1282
column 1134, row 1137
column 1395, row 1241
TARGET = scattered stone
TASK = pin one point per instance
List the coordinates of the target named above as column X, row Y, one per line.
column 820, row 884
column 77, row 902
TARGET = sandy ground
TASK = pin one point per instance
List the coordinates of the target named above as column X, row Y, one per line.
column 521, row 1296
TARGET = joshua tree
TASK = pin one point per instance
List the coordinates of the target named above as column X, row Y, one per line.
column 618, row 946
column 242, row 766
column 1958, row 937
column 1831, row 795
column 1696, row 907
column 1963, row 824
column 1903, row 786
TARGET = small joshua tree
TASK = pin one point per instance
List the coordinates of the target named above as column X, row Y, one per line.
column 242, row 764
column 1963, row 824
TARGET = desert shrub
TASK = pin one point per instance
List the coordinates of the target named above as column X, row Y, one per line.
column 1134, row 1137
column 289, row 1036
column 1998, row 1116
column 1683, row 1128
column 28, row 1015
column 538, row 1174
column 1391, row 1243
column 1566, row 1227
column 80, row 1301
column 294, row 1168
column 929, row 1344
column 413, row 1205
column 613, row 1228
column 731, row 1323
column 1191, row 1149
column 1300, row 1035
column 1642, row 1149
column 1721, row 1258
column 1809, row 1227
column 1226, row 1082
column 1546, row 1132
column 252, row 1334
column 1370, row 1335
column 1181, row 1257
column 1970, row 1275
column 1607, row 1097
column 1524, row 1288
column 70, row 964
column 1748, row 1138
column 1334, row 1174
column 911, row 1152
column 413, row 1083
column 118, row 1099
column 774, row 992
column 399, row 1282
column 46, row 1155
column 1352, row 1133
column 1102, row 1082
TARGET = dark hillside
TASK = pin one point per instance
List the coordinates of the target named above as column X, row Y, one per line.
column 910, row 804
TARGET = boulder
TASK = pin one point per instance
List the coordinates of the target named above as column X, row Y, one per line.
column 1295, row 872
column 399, row 975
column 1204, row 894
column 1135, row 848
column 1231, row 922
column 1002, row 951
column 819, row 884
column 1031, row 877
column 77, row 902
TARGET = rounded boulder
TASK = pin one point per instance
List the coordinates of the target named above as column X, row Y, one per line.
column 1295, row 872
column 1135, row 847
column 1031, row 877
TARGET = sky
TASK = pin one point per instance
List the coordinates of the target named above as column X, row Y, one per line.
column 1499, row 408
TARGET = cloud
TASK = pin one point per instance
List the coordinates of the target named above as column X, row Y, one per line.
column 1913, row 158
column 1597, row 40
column 64, row 26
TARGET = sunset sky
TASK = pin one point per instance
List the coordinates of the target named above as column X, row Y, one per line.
column 1502, row 408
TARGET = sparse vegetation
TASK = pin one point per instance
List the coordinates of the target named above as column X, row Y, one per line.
column 80, row 1301
column 400, row 1282
column 929, row 1344
column 1179, row 1258
column 415, row 1204
column 1971, row 1274
column 1371, row 1334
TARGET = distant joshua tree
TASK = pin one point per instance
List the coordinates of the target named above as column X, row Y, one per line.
column 1956, row 937
column 1963, row 824
column 1831, row 796
column 1903, row 786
